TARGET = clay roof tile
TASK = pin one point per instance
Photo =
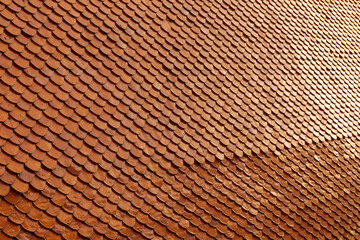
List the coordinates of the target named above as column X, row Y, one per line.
column 218, row 120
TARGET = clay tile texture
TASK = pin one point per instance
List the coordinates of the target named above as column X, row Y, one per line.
column 179, row 119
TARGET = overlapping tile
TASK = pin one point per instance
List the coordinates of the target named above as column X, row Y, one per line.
column 179, row 119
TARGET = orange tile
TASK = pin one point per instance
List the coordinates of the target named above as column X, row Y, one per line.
column 10, row 148
column 215, row 88
column 47, row 221
column 11, row 229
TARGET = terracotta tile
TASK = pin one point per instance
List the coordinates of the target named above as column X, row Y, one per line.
column 38, row 183
column 47, row 221
column 20, row 186
column 10, row 148
column 6, row 132
column 5, row 208
column 206, row 126
column 3, row 221
column 30, row 225
column 11, row 229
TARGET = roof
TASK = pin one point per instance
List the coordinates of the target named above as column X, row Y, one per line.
column 179, row 119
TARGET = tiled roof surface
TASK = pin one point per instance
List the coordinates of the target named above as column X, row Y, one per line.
column 179, row 119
